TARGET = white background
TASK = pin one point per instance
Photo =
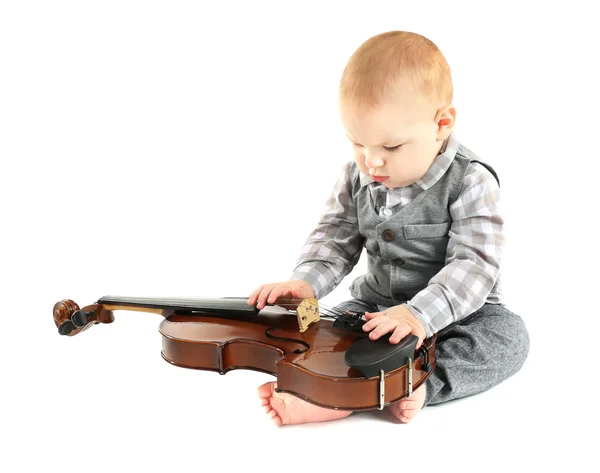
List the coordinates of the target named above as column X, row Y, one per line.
column 176, row 149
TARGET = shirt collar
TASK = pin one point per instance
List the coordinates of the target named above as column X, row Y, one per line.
column 437, row 169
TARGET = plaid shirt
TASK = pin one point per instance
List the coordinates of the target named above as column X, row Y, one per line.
column 471, row 275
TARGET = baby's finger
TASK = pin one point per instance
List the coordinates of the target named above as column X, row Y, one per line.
column 254, row 295
column 400, row 332
column 377, row 319
column 384, row 327
column 296, row 292
column 372, row 315
column 278, row 291
column 264, row 294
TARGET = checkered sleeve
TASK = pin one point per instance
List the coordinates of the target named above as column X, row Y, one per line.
column 333, row 248
column 473, row 256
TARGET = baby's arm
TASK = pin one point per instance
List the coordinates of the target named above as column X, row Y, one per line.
column 334, row 247
column 329, row 254
column 472, row 258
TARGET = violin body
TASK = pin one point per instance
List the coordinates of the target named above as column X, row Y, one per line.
column 310, row 364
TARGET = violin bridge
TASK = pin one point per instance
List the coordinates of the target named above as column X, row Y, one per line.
column 308, row 312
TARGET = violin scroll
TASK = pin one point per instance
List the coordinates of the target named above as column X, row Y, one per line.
column 71, row 320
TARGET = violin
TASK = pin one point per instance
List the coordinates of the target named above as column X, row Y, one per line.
column 318, row 354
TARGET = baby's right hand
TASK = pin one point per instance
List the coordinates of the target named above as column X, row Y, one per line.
column 270, row 292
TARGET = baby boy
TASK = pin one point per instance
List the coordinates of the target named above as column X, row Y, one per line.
column 426, row 209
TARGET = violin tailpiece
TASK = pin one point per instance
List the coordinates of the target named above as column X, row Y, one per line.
column 308, row 312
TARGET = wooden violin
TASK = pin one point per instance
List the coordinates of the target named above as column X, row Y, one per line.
column 323, row 357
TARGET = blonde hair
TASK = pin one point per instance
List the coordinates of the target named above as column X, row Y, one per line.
column 390, row 62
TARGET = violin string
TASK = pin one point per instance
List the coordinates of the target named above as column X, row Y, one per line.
column 332, row 312
column 291, row 304
column 297, row 302
column 335, row 310
column 292, row 308
column 321, row 308
column 328, row 313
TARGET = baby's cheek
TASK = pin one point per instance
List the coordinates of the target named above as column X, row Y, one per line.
column 359, row 158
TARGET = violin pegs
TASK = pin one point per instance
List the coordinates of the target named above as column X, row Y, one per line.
column 66, row 328
column 71, row 320
column 80, row 318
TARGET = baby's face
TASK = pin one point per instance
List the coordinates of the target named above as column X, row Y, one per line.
column 396, row 142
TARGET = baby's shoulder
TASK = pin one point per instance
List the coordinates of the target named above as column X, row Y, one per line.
column 478, row 172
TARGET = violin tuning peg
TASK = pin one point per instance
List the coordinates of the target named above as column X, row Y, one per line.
column 66, row 327
column 81, row 318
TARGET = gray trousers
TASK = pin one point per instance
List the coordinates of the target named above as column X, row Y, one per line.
column 473, row 354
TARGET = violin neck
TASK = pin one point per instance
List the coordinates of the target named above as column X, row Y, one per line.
column 227, row 305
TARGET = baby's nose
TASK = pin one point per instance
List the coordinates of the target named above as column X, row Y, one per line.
column 373, row 160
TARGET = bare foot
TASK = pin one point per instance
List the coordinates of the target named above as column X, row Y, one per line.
column 287, row 409
column 405, row 409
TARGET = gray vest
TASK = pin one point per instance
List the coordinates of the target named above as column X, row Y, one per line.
column 406, row 250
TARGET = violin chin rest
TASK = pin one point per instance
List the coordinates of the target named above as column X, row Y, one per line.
column 370, row 356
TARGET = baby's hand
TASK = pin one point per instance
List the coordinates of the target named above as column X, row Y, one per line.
column 270, row 292
column 397, row 319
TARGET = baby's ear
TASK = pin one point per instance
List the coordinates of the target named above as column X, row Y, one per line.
column 445, row 119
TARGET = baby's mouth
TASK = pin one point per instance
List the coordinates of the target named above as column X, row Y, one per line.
column 380, row 178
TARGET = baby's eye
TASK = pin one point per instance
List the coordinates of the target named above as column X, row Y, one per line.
column 393, row 148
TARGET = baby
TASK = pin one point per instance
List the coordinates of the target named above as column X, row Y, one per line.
column 426, row 210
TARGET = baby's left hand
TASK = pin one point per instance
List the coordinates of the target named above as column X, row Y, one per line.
column 397, row 319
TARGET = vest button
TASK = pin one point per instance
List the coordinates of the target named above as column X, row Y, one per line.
column 388, row 235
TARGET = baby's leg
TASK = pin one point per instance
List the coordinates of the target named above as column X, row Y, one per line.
column 286, row 409
column 477, row 353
